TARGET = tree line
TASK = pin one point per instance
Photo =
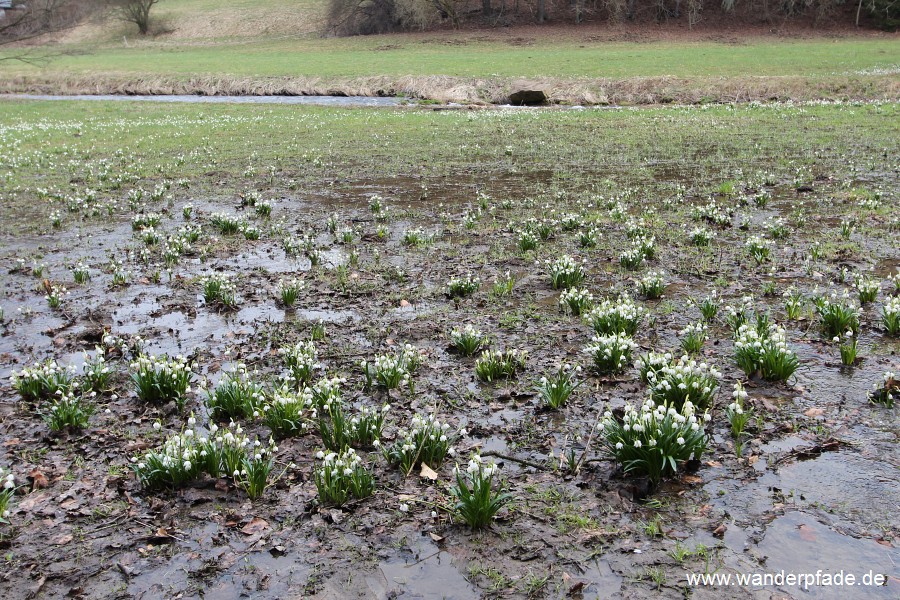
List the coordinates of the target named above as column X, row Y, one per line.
column 362, row 17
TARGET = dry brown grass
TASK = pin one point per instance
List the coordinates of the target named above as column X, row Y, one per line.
column 633, row 91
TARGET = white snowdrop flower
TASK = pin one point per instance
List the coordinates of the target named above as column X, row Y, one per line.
column 404, row 507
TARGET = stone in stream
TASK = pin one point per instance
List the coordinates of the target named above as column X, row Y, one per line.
column 527, row 97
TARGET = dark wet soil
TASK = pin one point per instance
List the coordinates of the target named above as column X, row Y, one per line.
column 816, row 487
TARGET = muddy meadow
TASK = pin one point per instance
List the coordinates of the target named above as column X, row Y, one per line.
column 300, row 352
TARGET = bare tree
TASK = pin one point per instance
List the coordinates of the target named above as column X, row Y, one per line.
column 136, row 11
column 27, row 20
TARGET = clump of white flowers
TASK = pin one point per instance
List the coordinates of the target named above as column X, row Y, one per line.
column 428, row 440
column 684, row 380
column 693, row 336
column 478, row 492
column 468, row 340
column 235, row 396
column 43, row 380
column 761, row 348
column 287, row 411
column 565, row 272
column 621, row 315
column 890, row 315
column 161, row 379
column 302, row 361
column 395, row 369
column 341, row 476
column 8, row 481
column 610, row 354
column 219, row 290
column 576, row 300
column 739, row 414
column 654, row 439
column 459, row 287
column 500, row 364
column 888, row 392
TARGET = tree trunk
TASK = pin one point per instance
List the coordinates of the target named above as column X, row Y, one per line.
column 540, row 11
column 486, row 8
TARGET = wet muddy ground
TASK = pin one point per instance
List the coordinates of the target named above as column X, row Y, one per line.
column 815, row 488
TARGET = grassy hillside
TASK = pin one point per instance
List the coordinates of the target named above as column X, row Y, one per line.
column 256, row 41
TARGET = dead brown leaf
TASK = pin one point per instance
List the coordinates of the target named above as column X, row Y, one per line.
column 255, row 526
column 38, row 480
column 428, row 473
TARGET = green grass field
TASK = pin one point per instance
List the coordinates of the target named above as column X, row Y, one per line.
column 421, row 55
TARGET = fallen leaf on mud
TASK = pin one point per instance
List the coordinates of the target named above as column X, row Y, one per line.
column 435, row 537
column 37, row 587
column 807, row 534
column 814, row 412
column 884, row 542
column 404, row 303
column 12, row 442
column 692, row 479
column 255, row 526
column 336, row 516
column 33, row 501
column 751, row 460
column 62, row 540
column 719, row 531
column 428, row 473
column 38, row 480
column 768, row 405
column 575, row 589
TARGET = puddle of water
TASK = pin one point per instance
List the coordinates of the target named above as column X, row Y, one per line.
column 847, row 485
column 888, row 266
column 426, row 572
column 600, row 581
column 787, row 444
column 797, row 543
